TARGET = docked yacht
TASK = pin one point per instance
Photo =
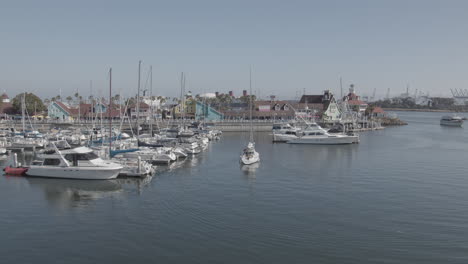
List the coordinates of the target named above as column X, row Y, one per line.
column 454, row 121
column 284, row 132
column 315, row 134
column 77, row 163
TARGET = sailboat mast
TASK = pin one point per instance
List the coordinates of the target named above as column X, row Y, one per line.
column 138, row 101
column 250, row 105
column 110, row 110
column 23, row 102
column 182, row 99
column 151, row 100
column 341, row 88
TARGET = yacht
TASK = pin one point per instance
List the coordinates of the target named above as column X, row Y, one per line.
column 315, row 134
column 284, row 132
column 455, row 121
column 77, row 163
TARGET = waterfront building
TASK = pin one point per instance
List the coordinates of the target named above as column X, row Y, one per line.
column 354, row 101
column 6, row 108
column 59, row 111
column 205, row 112
column 65, row 113
column 143, row 108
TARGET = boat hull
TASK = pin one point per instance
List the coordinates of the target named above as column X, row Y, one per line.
column 325, row 140
column 82, row 173
column 250, row 160
column 277, row 137
column 456, row 123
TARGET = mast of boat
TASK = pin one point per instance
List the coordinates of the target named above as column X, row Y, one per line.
column 22, row 111
column 23, row 102
column 138, row 101
column 182, row 98
column 151, row 100
column 110, row 110
column 250, row 105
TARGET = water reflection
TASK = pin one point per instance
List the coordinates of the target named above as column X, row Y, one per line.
column 64, row 193
column 249, row 170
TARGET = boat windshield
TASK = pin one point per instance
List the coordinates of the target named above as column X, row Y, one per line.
column 74, row 158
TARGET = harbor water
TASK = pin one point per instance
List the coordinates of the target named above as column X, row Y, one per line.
column 400, row 196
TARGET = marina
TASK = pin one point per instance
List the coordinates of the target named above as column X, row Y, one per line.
column 256, row 132
column 356, row 189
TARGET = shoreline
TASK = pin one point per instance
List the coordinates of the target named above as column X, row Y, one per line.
column 422, row 110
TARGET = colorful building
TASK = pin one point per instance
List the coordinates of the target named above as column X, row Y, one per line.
column 205, row 112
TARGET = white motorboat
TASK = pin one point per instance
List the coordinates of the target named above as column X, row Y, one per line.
column 77, row 163
column 152, row 155
column 283, row 132
column 20, row 142
column 454, row 121
column 250, row 155
column 134, row 167
column 315, row 134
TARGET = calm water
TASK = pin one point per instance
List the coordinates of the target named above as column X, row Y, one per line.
column 401, row 196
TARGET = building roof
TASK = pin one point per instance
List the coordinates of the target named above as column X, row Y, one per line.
column 270, row 103
column 143, row 105
column 378, row 110
column 311, row 99
column 64, row 107
column 356, row 102
column 85, row 110
column 5, row 96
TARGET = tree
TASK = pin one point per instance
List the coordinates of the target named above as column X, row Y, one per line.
column 32, row 103
column 245, row 98
column 58, row 97
column 369, row 110
column 69, row 99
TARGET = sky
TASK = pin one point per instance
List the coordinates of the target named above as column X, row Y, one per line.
column 53, row 47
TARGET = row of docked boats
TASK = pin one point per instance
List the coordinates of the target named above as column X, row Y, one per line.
column 121, row 155
column 311, row 133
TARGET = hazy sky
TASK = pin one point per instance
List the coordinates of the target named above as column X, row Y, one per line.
column 46, row 46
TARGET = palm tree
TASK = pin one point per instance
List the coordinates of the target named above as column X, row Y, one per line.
column 58, row 97
column 69, row 99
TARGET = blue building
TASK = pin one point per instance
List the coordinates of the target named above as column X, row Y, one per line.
column 59, row 111
column 206, row 112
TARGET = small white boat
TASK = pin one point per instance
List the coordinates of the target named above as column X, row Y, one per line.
column 78, row 163
column 250, row 155
column 134, row 167
column 455, row 121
